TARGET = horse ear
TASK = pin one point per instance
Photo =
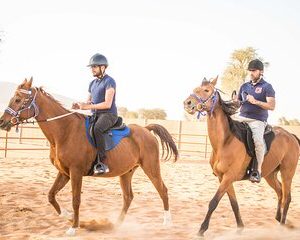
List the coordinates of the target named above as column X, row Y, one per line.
column 214, row 81
column 29, row 83
column 204, row 81
column 24, row 82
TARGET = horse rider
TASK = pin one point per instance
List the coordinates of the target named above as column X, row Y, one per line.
column 257, row 96
column 101, row 101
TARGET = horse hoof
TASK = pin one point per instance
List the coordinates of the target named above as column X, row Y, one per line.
column 200, row 234
column 66, row 214
column 71, row 231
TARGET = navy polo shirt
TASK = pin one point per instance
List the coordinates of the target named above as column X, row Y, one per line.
column 260, row 92
column 97, row 89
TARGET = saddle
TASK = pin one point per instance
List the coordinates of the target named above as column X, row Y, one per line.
column 243, row 132
column 112, row 136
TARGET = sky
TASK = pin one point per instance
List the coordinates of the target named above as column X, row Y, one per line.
column 158, row 50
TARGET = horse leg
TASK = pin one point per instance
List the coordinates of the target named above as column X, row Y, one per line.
column 60, row 181
column 76, row 183
column 286, row 195
column 274, row 183
column 153, row 172
column 125, row 182
column 235, row 206
column 223, row 187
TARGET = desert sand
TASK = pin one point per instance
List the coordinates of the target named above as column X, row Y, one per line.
column 26, row 214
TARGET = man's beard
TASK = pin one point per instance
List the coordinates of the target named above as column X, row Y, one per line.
column 256, row 79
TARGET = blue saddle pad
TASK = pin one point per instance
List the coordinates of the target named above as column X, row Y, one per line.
column 112, row 137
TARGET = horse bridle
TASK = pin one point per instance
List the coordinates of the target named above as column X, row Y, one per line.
column 30, row 98
column 202, row 102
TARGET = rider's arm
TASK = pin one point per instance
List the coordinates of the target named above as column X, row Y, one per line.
column 109, row 96
column 269, row 105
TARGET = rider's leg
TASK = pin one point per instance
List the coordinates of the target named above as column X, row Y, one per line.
column 258, row 128
column 103, row 123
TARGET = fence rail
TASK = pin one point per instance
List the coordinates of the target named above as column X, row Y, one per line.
column 190, row 145
column 30, row 138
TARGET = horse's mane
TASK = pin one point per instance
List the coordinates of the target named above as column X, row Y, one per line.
column 41, row 90
column 229, row 107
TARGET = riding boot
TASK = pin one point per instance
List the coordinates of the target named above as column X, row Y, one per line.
column 100, row 167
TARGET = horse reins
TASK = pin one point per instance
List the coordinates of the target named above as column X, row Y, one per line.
column 16, row 114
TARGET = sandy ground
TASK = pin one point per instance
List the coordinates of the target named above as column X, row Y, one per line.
column 26, row 214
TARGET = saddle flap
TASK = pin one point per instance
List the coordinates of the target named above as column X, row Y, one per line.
column 243, row 132
column 111, row 137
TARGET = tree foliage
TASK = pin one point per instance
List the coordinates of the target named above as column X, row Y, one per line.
column 155, row 113
column 143, row 113
column 236, row 72
column 286, row 122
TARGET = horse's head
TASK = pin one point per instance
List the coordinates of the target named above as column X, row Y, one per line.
column 203, row 97
column 21, row 106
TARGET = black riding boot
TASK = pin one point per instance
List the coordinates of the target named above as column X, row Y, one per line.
column 100, row 167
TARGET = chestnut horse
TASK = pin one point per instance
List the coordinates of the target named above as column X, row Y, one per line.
column 73, row 155
column 229, row 158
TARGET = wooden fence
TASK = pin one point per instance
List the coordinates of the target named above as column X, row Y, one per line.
column 191, row 139
column 30, row 138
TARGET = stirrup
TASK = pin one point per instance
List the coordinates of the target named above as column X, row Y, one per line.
column 100, row 168
column 255, row 176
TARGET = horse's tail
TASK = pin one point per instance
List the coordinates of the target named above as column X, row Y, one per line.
column 167, row 141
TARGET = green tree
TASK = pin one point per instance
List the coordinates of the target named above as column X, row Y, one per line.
column 236, row 72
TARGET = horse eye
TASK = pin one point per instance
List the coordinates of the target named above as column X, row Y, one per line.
column 206, row 90
column 18, row 100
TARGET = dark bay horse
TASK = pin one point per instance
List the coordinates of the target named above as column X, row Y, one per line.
column 73, row 155
column 229, row 158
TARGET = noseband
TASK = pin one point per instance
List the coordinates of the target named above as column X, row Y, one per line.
column 202, row 102
column 30, row 98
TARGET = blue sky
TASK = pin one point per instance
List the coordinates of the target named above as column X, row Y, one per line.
column 158, row 50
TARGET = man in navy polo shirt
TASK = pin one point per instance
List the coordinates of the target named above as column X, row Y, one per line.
column 258, row 97
column 101, row 101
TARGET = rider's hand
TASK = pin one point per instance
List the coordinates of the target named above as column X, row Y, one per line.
column 83, row 106
column 75, row 106
column 251, row 99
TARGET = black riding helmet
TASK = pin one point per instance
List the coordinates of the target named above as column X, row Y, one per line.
column 255, row 64
column 98, row 60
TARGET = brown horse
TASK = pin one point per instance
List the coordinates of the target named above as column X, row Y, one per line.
column 73, row 155
column 229, row 158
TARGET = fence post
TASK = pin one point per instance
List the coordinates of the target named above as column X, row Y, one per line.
column 21, row 134
column 179, row 135
column 5, row 150
column 205, row 146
